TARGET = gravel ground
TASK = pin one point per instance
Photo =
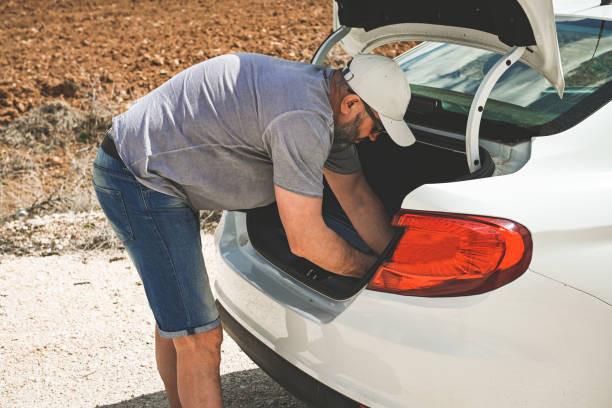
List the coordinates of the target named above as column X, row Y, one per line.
column 76, row 331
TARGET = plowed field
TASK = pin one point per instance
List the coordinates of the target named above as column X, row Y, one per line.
column 116, row 51
column 98, row 56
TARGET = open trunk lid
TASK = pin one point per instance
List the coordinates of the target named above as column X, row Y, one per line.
column 504, row 26
column 497, row 26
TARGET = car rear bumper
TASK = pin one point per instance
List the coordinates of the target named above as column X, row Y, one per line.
column 286, row 374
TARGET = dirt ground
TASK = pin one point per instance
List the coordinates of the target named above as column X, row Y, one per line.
column 116, row 51
column 76, row 331
column 69, row 66
column 98, row 56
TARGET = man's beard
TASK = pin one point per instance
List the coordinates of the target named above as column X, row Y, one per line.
column 347, row 133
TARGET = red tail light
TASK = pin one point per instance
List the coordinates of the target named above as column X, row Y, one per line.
column 442, row 254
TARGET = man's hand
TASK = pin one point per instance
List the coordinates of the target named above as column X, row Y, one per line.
column 310, row 238
column 362, row 206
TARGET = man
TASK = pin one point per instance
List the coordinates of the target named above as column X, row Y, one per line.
column 240, row 131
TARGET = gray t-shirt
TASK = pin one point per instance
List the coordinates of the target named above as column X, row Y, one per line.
column 221, row 133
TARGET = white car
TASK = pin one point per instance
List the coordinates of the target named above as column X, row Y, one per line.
column 497, row 289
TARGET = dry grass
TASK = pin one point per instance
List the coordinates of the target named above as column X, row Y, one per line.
column 45, row 159
column 69, row 232
column 51, row 125
column 47, row 204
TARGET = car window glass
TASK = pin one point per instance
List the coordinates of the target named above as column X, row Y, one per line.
column 451, row 74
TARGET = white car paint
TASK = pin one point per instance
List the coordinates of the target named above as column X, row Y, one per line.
column 604, row 12
column 529, row 343
column 573, row 6
column 563, row 195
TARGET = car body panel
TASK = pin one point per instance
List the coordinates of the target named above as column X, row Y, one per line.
column 236, row 250
column 573, row 6
column 566, row 196
column 543, row 56
column 483, row 343
column 604, row 12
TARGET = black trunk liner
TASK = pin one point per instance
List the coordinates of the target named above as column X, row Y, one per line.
column 268, row 237
column 392, row 172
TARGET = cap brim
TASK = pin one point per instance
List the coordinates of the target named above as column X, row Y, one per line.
column 398, row 130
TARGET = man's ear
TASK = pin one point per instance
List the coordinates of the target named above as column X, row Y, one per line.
column 349, row 103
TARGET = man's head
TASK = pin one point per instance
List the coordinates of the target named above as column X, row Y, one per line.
column 373, row 95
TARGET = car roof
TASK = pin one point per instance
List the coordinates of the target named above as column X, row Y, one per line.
column 601, row 12
column 573, row 6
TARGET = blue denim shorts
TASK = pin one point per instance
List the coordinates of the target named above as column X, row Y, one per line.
column 161, row 233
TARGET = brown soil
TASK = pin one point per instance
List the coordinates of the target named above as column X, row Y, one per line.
column 98, row 56
column 119, row 50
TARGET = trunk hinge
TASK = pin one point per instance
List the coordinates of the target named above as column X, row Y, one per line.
column 327, row 45
column 478, row 103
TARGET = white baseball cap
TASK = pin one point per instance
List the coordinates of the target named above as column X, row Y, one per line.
column 380, row 82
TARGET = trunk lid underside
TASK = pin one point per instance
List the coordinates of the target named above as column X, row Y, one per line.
column 495, row 26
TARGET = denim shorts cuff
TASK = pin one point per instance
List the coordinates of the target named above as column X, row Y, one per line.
column 192, row 330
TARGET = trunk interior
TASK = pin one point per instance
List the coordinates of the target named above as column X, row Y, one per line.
column 392, row 172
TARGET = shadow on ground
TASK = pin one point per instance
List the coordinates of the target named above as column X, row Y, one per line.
column 249, row 388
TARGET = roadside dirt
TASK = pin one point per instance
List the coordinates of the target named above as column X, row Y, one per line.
column 76, row 331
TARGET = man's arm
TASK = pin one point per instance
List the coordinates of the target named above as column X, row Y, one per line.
column 310, row 238
column 363, row 207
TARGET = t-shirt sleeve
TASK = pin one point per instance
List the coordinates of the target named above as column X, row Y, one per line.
column 299, row 143
column 343, row 159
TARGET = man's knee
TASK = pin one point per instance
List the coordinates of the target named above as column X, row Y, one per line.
column 207, row 344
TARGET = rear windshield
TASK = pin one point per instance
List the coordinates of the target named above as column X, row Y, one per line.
column 445, row 77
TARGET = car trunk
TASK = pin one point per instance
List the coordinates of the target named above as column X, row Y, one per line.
column 506, row 27
column 392, row 172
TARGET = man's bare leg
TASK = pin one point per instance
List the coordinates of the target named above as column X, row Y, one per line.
column 198, row 360
column 165, row 354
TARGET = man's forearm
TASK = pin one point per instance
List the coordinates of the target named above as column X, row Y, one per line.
column 375, row 230
column 310, row 238
column 363, row 207
column 329, row 251
column 370, row 219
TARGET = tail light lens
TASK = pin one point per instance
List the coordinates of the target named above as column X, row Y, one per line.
column 442, row 254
